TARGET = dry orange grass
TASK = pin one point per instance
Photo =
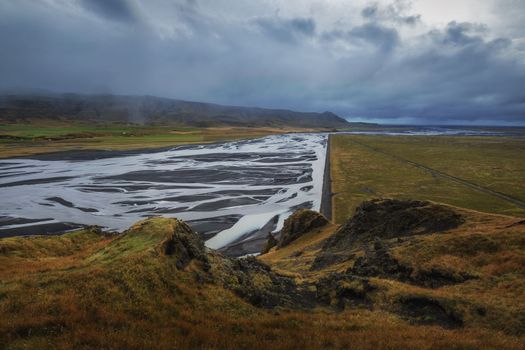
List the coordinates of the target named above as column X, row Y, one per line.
column 489, row 248
column 112, row 293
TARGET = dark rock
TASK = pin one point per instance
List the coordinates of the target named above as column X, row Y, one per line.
column 427, row 310
column 521, row 222
column 256, row 283
column 435, row 278
column 380, row 263
column 299, row 223
column 97, row 230
column 392, row 218
column 270, row 243
column 329, row 258
column 378, row 244
column 344, row 290
column 247, row 277
column 185, row 245
column 297, row 254
column 385, row 219
column 481, row 311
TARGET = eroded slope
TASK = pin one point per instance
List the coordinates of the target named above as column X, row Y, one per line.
column 157, row 286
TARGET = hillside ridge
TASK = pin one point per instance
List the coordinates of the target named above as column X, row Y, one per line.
column 156, row 110
column 400, row 282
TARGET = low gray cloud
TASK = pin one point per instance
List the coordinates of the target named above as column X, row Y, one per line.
column 112, row 9
column 287, row 30
column 370, row 11
column 385, row 38
column 362, row 67
column 368, row 34
column 395, row 12
column 464, row 33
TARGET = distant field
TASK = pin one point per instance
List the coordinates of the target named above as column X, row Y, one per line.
column 480, row 173
column 27, row 139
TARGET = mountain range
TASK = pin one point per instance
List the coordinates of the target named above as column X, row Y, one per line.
column 155, row 110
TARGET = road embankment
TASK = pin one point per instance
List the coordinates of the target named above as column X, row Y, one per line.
column 326, row 197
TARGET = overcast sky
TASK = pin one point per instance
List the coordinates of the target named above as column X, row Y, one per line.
column 419, row 61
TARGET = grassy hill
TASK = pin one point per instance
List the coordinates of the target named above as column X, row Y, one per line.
column 155, row 110
column 398, row 275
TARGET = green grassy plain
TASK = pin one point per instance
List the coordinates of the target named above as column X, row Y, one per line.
column 43, row 137
column 366, row 167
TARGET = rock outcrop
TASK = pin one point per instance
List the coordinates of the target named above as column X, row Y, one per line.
column 392, row 218
column 270, row 243
column 299, row 223
column 248, row 278
column 379, row 262
column 421, row 309
column 386, row 219
column 256, row 283
column 184, row 245
column 388, row 276
column 344, row 290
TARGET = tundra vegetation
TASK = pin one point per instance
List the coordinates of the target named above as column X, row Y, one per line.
column 20, row 139
column 397, row 275
column 425, row 252
column 480, row 173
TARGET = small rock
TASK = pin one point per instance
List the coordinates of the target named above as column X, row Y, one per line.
column 270, row 243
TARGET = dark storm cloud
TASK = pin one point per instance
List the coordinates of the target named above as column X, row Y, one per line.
column 373, row 34
column 369, row 11
column 394, row 12
column 382, row 37
column 363, row 67
column 287, row 30
column 112, row 9
column 464, row 33
column 458, row 77
column 411, row 20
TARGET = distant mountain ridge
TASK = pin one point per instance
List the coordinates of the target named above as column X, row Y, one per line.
column 156, row 110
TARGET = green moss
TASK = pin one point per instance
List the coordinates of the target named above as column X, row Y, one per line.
column 38, row 246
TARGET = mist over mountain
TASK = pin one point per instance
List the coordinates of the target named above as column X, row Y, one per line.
column 155, row 110
column 387, row 61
